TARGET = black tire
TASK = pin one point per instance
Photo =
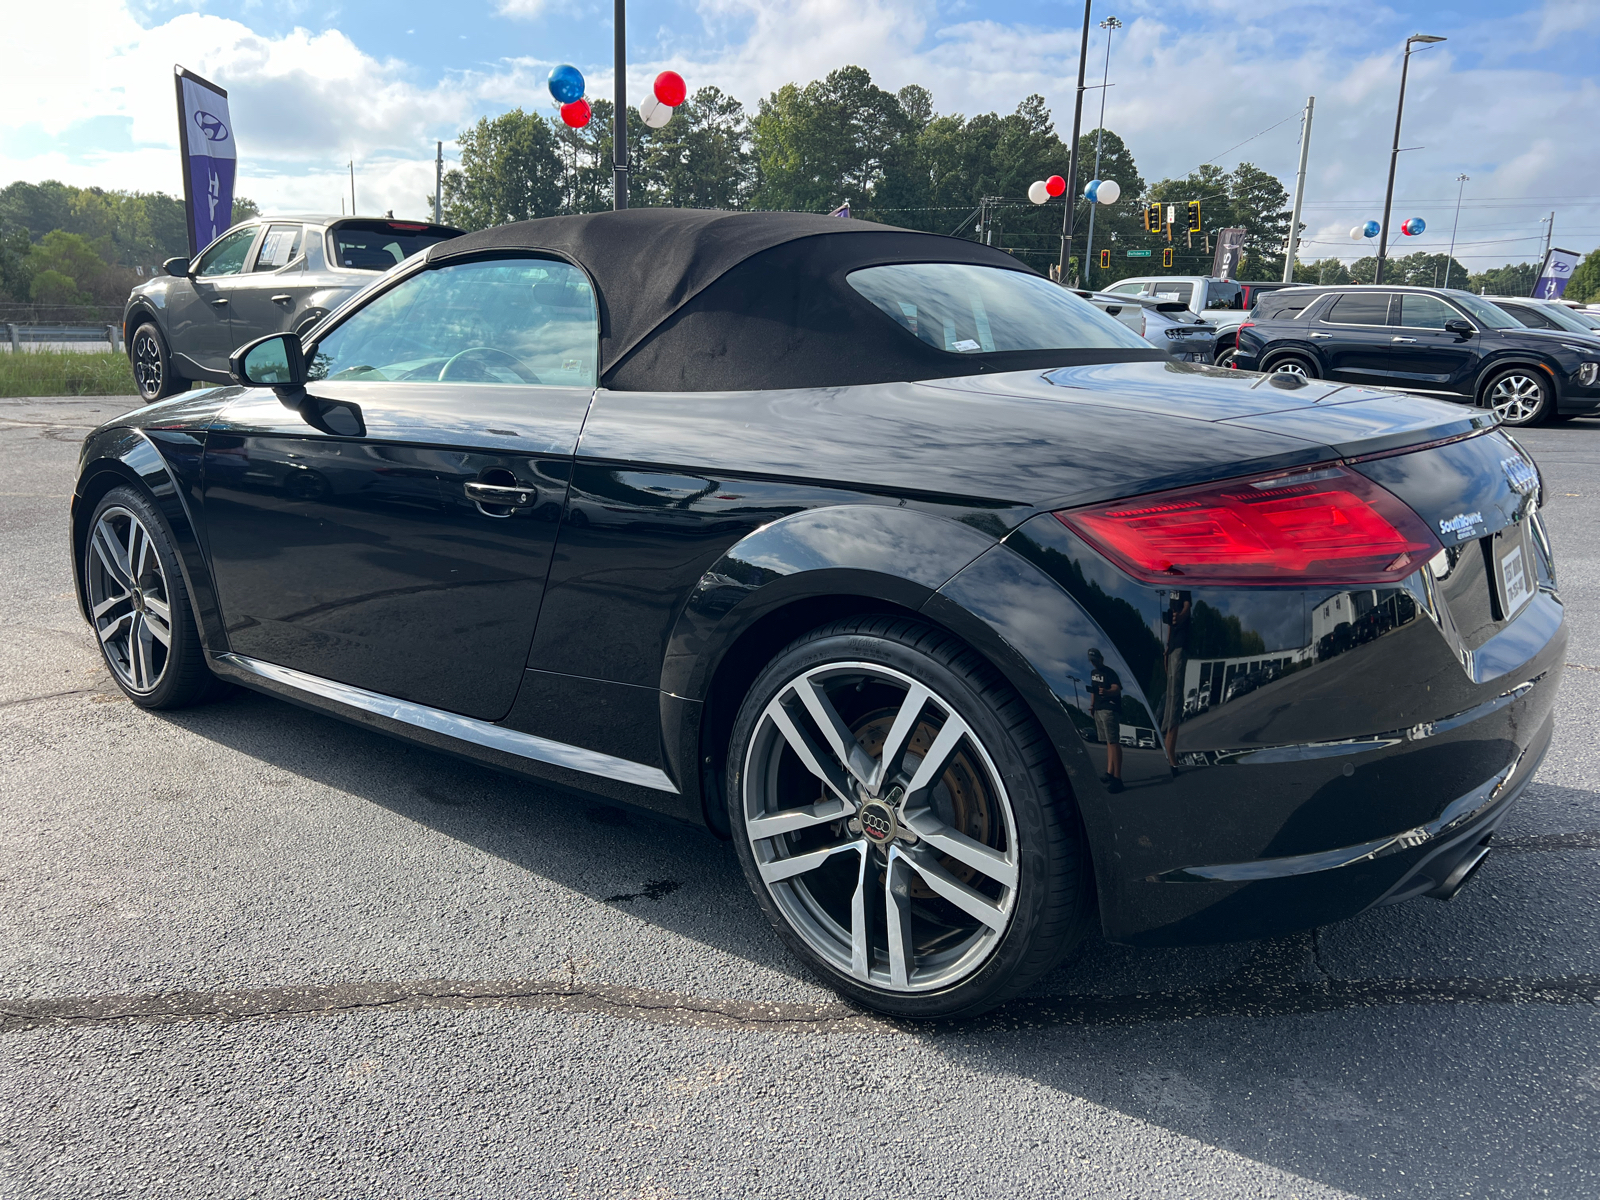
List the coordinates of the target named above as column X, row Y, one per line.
column 1225, row 356
column 153, row 373
column 174, row 675
column 1293, row 364
column 1520, row 396
column 1052, row 899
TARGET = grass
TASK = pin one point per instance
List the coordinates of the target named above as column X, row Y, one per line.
column 65, row 373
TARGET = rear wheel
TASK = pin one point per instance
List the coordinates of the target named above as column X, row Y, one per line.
column 1519, row 397
column 152, row 365
column 903, row 820
column 139, row 606
column 1294, row 364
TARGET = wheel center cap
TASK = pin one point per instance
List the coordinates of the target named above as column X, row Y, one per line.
column 878, row 822
column 138, row 600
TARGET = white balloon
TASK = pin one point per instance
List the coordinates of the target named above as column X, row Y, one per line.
column 1110, row 191
column 1037, row 192
column 1358, row 233
column 654, row 113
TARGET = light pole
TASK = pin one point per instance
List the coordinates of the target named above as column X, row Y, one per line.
column 619, row 119
column 1071, row 194
column 1394, row 154
column 1461, row 186
column 1110, row 25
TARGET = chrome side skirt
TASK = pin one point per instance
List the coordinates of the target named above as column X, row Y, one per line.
column 464, row 729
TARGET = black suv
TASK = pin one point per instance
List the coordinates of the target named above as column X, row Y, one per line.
column 1431, row 340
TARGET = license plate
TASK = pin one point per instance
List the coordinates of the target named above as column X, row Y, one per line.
column 1514, row 577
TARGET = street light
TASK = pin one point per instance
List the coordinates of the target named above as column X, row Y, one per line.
column 1461, row 186
column 1394, row 154
column 1110, row 25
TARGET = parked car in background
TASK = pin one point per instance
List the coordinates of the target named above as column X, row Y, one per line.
column 1550, row 314
column 265, row 275
column 1430, row 340
column 1166, row 324
column 1222, row 302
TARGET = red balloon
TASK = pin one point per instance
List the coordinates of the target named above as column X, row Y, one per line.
column 670, row 88
column 1055, row 185
column 576, row 114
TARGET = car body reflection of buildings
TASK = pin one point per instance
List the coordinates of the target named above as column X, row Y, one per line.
column 1339, row 624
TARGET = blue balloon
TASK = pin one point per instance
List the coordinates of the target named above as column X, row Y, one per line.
column 1091, row 190
column 1370, row 229
column 566, row 83
column 1413, row 227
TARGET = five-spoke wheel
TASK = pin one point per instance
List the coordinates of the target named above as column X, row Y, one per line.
column 884, row 803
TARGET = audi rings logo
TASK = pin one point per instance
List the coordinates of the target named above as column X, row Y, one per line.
column 1520, row 475
column 213, row 128
column 877, row 822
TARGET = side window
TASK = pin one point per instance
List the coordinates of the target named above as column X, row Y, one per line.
column 1181, row 292
column 1126, row 289
column 1530, row 318
column 1425, row 312
column 1360, row 308
column 227, row 256
column 279, row 248
column 1220, row 294
column 514, row 321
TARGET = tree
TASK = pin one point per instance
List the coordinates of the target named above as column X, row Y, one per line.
column 826, row 142
column 702, row 157
column 510, row 171
column 1118, row 227
column 1584, row 286
column 1325, row 272
column 1246, row 197
column 1513, row 279
column 66, row 268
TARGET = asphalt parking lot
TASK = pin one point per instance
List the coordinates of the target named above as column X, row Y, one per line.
column 250, row 951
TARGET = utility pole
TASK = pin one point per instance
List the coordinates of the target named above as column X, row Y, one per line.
column 1110, row 25
column 1394, row 154
column 1549, row 224
column 1071, row 195
column 619, row 119
column 1461, row 186
column 438, row 185
column 352, row 187
column 1299, row 192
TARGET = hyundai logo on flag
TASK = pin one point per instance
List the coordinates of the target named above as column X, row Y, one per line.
column 214, row 129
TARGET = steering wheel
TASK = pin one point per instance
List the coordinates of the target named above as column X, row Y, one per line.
column 511, row 360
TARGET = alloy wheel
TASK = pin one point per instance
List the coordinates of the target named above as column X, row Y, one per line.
column 880, row 827
column 1292, row 367
column 1517, row 398
column 147, row 369
column 129, row 601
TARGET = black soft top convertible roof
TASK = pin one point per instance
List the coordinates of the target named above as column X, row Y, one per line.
column 693, row 300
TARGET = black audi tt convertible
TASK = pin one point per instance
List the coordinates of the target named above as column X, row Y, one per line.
column 968, row 616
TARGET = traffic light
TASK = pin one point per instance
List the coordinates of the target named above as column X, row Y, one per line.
column 1152, row 218
column 1166, row 257
column 1194, row 216
column 1105, row 259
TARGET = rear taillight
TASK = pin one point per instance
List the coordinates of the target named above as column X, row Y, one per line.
column 1323, row 524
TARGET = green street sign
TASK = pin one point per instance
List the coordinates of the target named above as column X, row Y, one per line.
column 1138, row 254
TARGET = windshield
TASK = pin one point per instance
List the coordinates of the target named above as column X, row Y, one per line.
column 379, row 245
column 1484, row 312
column 1564, row 318
column 964, row 309
column 1588, row 320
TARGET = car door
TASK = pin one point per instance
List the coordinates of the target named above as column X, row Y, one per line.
column 393, row 530
column 1354, row 337
column 1427, row 355
column 199, row 315
column 267, row 298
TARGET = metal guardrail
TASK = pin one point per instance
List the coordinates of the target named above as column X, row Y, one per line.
column 18, row 334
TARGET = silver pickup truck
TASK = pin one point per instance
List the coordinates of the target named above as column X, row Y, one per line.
column 265, row 275
column 1223, row 303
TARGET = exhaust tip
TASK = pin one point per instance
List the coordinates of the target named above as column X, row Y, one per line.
column 1461, row 874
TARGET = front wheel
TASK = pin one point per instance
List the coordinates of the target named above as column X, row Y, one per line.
column 904, row 822
column 1519, row 397
column 152, row 365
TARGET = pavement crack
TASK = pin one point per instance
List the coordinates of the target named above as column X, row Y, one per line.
column 1582, row 667
column 1583, row 839
column 49, row 696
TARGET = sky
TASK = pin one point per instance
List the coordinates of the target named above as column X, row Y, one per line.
column 1511, row 99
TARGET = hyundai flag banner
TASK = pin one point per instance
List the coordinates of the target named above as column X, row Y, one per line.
column 1230, row 249
column 205, row 135
column 1558, row 268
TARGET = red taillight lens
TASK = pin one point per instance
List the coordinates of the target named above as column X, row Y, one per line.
column 1324, row 524
column 407, row 226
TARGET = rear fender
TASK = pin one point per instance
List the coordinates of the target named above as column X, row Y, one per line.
column 166, row 463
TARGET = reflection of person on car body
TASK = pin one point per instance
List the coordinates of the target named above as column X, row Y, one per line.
column 1176, row 619
column 1105, row 706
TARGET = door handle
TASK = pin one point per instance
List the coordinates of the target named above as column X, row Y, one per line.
column 284, row 299
column 1321, row 335
column 501, row 497
column 1401, row 339
column 219, row 301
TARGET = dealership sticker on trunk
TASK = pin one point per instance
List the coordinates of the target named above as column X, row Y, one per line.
column 1515, row 567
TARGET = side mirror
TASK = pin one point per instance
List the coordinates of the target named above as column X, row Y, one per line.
column 275, row 361
column 1462, row 328
column 176, row 266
